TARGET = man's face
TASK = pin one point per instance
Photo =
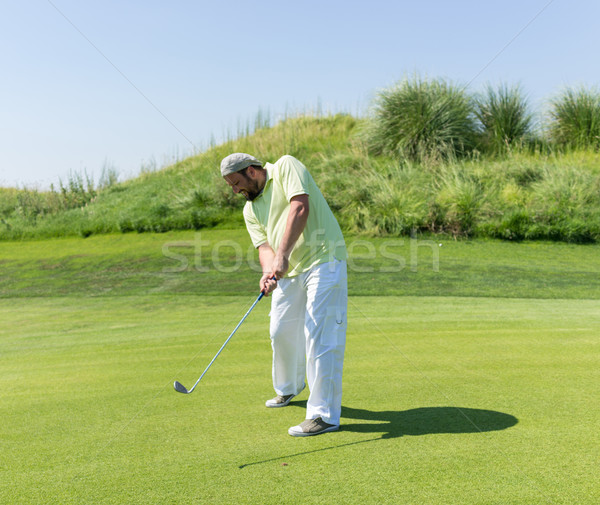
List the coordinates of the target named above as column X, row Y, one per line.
column 247, row 183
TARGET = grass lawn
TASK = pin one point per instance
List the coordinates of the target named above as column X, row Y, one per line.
column 474, row 384
column 221, row 262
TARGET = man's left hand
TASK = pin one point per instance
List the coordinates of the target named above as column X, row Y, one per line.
column 280, row 266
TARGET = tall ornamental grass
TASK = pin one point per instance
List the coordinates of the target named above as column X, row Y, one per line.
column 422, row 120
column 390, row 200
column 459, row 199
column 575, row 118
column 505, row 118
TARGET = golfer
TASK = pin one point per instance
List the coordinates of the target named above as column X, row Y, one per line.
column 303, row 258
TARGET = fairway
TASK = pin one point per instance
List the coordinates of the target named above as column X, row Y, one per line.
column 478, row 399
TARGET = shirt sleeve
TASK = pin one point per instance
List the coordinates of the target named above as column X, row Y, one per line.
column 257, row 233
column 294, row 177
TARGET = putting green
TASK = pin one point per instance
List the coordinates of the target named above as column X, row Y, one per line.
column 453, row 400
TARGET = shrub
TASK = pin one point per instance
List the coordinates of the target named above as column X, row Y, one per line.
column 566, row 192
column 384, row 199
column 575, row 119
column 514, row 225
column 460, row 198
column 505, row 118
column 422, row 121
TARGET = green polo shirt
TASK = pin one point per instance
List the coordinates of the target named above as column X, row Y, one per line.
column 266, row 217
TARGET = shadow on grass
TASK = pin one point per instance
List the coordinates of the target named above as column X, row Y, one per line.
column 413, row 422
column 426, row 421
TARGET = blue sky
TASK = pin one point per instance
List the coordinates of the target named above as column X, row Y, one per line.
column 171, row 74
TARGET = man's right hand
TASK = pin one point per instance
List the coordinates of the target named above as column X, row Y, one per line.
column 267, row 283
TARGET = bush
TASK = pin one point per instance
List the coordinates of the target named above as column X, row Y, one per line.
column 562, row 204
column 575, row 119
column 422, row 120
column 460, row 198
column 566, row 192
column 514, row 225
column 505, row 118
column 389, row 201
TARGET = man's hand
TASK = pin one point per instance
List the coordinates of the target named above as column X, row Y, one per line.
column 280, row 266
column 267, row 284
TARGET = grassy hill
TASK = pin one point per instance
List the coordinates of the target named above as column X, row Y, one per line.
column 518, row 195
column 187, row 195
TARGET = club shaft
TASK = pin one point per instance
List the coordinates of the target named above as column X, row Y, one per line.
column 228, row 339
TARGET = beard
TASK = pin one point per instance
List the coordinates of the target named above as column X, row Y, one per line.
column 253, row 189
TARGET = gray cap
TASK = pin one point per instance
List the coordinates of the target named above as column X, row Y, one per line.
column 236, row 162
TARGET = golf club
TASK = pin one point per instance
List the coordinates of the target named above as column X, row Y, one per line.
column 180, row 388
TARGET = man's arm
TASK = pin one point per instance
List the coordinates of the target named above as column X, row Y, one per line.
column 277, row 264
column 296, row 222
column 266, row 256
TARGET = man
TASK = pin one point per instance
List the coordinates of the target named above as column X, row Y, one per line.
column 303, row 258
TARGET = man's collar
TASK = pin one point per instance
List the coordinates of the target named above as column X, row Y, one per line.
column 268, row 168
column 268, row 180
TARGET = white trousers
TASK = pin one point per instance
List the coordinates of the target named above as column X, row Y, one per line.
column 308, row 337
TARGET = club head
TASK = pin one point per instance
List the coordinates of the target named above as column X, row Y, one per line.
column 180, row 388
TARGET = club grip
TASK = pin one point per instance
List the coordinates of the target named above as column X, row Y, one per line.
column 262, row 293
